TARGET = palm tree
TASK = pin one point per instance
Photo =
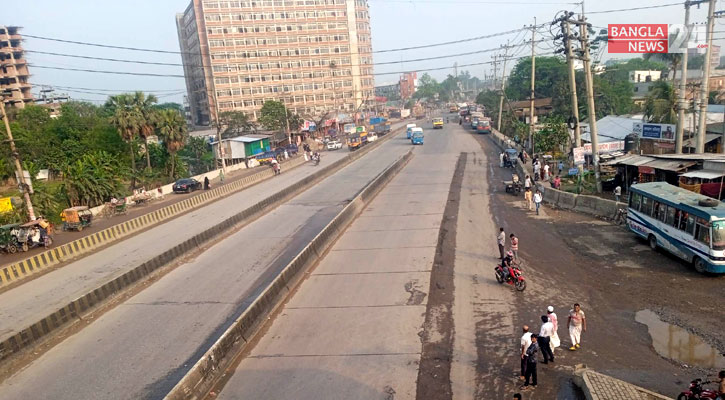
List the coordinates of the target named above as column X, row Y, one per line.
column 659, row 107
column 671, row 59
column 126, row 120
column 172, row 128
column 149, row 119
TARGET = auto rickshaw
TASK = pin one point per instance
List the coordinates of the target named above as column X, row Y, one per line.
column 35, row 234
column 76, row 218
column 9, row 240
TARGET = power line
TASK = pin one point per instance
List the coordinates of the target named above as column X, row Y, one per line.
column 104, row 59
column 107, row 72
column 634, row 8
column 108, row 90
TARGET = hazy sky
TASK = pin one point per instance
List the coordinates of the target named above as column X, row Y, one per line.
column 395, row 24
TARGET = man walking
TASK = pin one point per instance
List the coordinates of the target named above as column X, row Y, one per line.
column 545, row 334
column 546, row 171
column 530, row 375
column 537, row 170
column 555, row 341
column 577, row 324
column 525, row 344
column 514, row 246
column 537, row 200
column 617, row 193
column 501, row 243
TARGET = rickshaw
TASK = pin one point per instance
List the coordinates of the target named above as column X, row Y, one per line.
column 76, row 218
column 514, row 185
column 30, row 234
column 8, row 239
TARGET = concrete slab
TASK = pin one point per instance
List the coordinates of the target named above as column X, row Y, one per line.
column 403, row 207
column 364, row 261
column 343, row 331
column 387, row 239
column 381, row 223
column 341, row 290
column 369, row 377
column 417, row 189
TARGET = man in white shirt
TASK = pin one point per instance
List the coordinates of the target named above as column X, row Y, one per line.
column 525, row 343
column 501, row 243
column 547, row 331
column 618, row 193
column 546, row 178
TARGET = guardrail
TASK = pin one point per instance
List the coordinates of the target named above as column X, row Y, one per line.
column 83, row 305
column 196, row 383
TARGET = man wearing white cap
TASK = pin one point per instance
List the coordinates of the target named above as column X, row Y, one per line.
column 555, row 342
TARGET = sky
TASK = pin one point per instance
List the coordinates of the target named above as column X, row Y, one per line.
column 395, row 24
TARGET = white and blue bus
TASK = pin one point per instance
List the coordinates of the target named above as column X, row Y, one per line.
column 687, row 224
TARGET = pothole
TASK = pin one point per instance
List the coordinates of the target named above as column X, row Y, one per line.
column 671, row 341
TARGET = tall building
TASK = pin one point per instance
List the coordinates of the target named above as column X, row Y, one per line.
column 14, row 85
column 408, row 84
column 313, row 55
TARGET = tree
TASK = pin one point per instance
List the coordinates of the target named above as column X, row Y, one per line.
column 198, row 154
column 170, row 106
column 274, row 116
column 489, row 99
column 552, row 136
column 670, row 59
column 234, row 123
column 93, row 179
column 148, row 119
column 427, row 87
column 172, row 128
column 126, row 118
column 551, row 76
column 659, row 107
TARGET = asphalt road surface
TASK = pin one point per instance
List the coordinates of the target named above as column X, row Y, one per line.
column 141, row 348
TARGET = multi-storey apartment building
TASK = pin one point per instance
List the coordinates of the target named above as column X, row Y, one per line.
column 14, row 85
column 313, row 55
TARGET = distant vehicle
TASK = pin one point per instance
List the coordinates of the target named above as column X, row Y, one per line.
column 483, row 126
column 437, row 123
column 186, row 185
column 453, row 108
column 348, row 128
column 357, row 139
column 687, row 224
column 417, row 136
column 334, row 145
column 408, row 130
column 76, row 218
column 265, row 157
column 372, row 137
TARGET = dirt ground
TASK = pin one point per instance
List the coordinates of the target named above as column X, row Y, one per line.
column 570, row 258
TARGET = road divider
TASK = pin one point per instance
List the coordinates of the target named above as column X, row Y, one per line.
column 214, row 363
column 75, row 310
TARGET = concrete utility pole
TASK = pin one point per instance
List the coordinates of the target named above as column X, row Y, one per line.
column 566, row 28
column 16, row 158
column 533, row 80
column 586, row 59
column 503, row 87
column 682, row 102
column 702, row 127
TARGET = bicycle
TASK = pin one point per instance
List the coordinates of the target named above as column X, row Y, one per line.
column 621, row 216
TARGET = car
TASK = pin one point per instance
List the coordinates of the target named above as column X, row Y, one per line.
column 334, row 145
column 437, row 123
column 186, row 185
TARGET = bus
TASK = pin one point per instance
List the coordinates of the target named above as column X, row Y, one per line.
column 687, row 224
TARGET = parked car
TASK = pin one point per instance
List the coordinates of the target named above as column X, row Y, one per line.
column 186, row 185
column 334, row 145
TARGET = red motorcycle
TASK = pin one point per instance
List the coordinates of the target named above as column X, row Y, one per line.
column 514, row 278
column 697, row 392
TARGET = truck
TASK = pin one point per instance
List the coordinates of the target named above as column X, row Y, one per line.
column 418, row 112
column 348, row 128
column 357, row 139
column 404, row 113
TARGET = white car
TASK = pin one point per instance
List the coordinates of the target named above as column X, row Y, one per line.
column 334, row 145
column 372, row 138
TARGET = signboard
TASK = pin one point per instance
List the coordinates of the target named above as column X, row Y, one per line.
column 5, row 205
column 579, row 155
column 654, row 131
column 573, row 171
column 608, row 147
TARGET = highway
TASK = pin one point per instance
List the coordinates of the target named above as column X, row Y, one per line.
column 39, row 297
column 142, row 347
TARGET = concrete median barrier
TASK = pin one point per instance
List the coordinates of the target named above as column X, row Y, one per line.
column 77, row 308
column 210, row 367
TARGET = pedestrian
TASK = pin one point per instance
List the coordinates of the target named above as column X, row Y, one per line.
column 206, row 183
column 537, row 200
column 528, row 196
column 521, row 157
column 618, row 193
column 527, row 183
column 557, row 182
column 555, row 342
column 530, row 375
column 546, row 171
column 526, row 156
column 501, row 242
column 525, row 343
column 545, row 335
column 561, row 166
column 514, row 246
column 537, row 170
column 577, row 324
column 501, row 158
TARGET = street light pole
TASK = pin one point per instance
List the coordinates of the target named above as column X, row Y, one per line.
column 16, row 158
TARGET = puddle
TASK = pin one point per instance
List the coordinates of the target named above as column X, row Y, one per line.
column 678, row 344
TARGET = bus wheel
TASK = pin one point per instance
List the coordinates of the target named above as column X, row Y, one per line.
column 652, row 242
column 699, row 265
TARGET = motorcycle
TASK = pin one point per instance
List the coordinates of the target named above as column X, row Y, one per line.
column 316, row 158
column 515, row 278
column 697, row 392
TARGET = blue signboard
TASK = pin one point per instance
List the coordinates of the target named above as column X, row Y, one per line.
column 573, row 171
column 655, row 131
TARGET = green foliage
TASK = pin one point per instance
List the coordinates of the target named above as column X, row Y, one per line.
column 15, row 216
column 48, row 200
column 552, row 136
column 198, row 155
column 427, row 87
column 93, row 179
column 235, row 123
column 274, row 116
column 659, row 107
column 170, row 106
column 551, row 76
column 489, row 99
column 173, row 132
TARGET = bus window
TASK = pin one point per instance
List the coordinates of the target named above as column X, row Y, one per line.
column 646, row 207
column 662, row 216
column 702, row 234
column 718, row 235
column 672, row 216
column 656, row 209
column 690, row 224
column 683, row 220
column 634, row 199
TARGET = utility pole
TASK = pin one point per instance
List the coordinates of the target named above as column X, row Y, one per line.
column 586, row 59
column 682, row 102
column 16, row 158
column 503, row 87
column 702, row 127
column 533, row 79
column 566, row 28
